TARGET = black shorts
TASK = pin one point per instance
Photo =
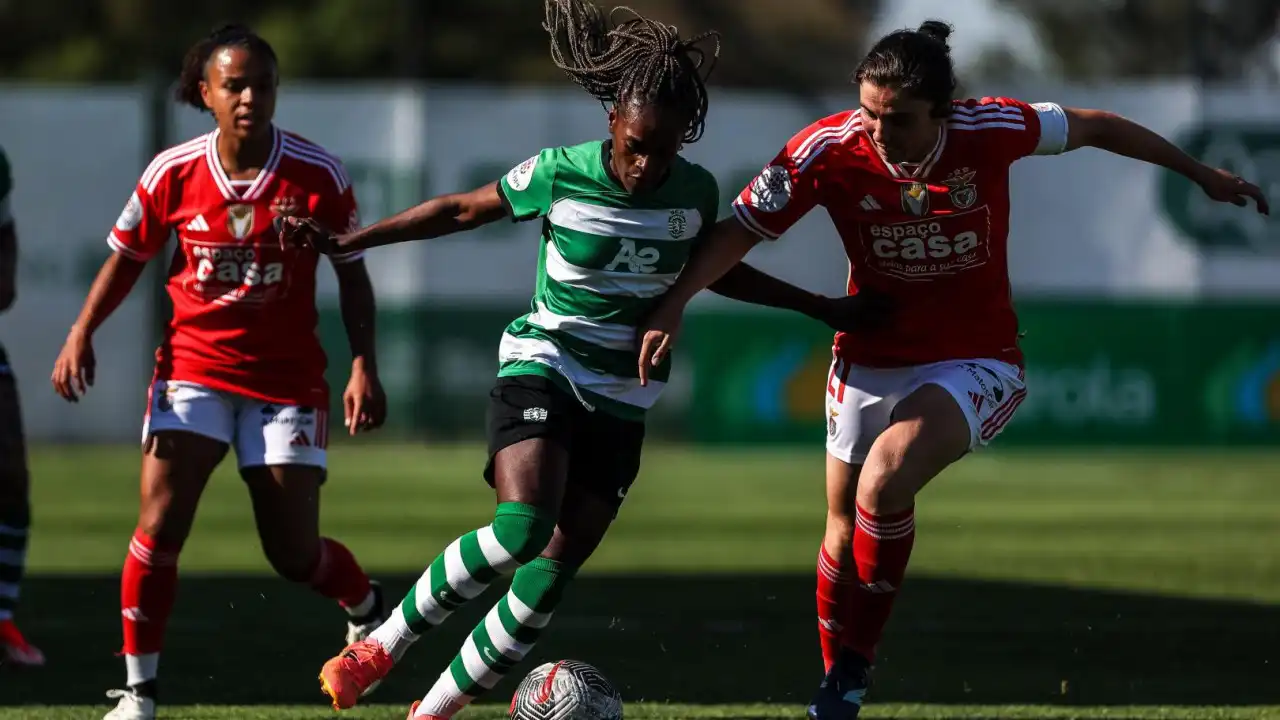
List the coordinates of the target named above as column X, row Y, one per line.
column 604, row 450
column 13, row 451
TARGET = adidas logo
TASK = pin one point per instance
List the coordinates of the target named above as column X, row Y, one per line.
column 198, row 224
column 300, row 439
column 869, row 203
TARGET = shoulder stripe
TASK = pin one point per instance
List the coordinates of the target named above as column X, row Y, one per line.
column 846, row 132
column 314, row 155
column 987, row 125
column 988, row 109
column 166, row 159
column 155, row 174
column 804, row 149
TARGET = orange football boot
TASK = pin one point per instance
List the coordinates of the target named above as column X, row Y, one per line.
column 354, row 672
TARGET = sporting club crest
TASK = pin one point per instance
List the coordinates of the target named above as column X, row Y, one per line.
column 677, row 224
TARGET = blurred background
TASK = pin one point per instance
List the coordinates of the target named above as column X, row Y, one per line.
column 1117, row 546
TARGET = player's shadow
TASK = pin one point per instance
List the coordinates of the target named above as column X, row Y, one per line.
column 689, row 639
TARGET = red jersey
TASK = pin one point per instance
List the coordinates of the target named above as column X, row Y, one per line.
column 932, row 237
column 244, row 312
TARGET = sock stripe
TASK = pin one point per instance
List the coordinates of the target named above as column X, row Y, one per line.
column 10, row 574
column 463, row 582
column 498, row 557
column 830, row 571
column 8, row 591
column 442, row 592
column 13, row 541
column 525, row 615
column 880, row 533
column 474, row 560
column 477, row 666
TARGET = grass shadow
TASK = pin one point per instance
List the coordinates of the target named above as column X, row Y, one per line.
column 689, row 639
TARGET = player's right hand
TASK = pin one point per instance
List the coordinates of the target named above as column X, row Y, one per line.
column 657, row 336
column 73, row 370
column 867, row 310
column 296, row 232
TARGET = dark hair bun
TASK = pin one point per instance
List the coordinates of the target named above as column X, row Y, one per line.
column 937, row 30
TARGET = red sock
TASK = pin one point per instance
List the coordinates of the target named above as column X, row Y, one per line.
column 881, row 549
column 835, row 582
column 148, row 587
column 338, row 576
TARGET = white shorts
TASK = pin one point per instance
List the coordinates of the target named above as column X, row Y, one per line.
column 860, row 400
column 262, row 433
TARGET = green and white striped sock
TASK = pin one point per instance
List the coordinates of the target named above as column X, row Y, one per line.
column 518, row 533
column 502, row 639
column 13, row 558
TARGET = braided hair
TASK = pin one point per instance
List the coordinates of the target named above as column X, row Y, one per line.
column 194, row 62
column 637, row 61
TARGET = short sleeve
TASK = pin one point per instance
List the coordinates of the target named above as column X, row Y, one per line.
column 527, row 189
column 1015, row 128
column 6, row 190
column 788, row 187
column 140, row 232
column 341, row 214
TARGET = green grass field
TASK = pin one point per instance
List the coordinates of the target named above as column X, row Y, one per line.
column 1084, row 585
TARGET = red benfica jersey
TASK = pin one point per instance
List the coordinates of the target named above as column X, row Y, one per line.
column 932, row 236
column 244, row 313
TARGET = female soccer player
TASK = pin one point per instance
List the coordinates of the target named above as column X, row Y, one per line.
column 917, row 185
column 566, row 415
column 240, row 364
column 15, row 497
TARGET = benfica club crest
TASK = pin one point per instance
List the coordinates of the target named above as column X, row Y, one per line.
column 240, row 221
column 915, row 198
column 963, row 192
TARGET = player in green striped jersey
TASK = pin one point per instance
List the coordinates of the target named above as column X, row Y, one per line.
column 15, row 501
column 618, row 218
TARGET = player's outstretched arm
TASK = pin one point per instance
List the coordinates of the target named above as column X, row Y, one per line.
column 747, row 284
column 434, row 218
column 1121, row 136
column 729, row 242
column 74, row 368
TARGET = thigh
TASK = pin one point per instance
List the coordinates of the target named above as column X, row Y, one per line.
column 276, row 434
column 988, row 392
column 529, row 426
column 13, row 448
column 177, row 406
column 286, row 507
column 605, row 458
column 859, row 405
column 176, row 466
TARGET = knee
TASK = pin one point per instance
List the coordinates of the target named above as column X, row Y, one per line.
column 523, row 531
column 295, row 562
column 885, row 484
column 164, row 525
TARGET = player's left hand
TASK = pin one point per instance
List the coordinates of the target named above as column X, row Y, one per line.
column 364, row 403
column 1228, row 187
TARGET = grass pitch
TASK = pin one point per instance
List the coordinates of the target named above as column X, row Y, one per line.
column 1084, row 585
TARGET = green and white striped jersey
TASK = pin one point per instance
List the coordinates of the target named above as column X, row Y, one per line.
column 6, row 188
column 606, row 258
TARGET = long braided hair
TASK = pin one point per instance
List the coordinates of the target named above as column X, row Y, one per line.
column 637, row 61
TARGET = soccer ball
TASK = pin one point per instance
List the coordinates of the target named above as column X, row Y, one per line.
column 565, row 690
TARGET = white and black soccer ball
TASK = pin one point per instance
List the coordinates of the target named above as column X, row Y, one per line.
column 566, row 690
